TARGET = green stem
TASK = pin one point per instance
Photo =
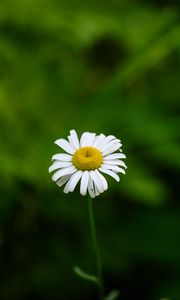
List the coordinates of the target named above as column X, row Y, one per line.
column 96, row 249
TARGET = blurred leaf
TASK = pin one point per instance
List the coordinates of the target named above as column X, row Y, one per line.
column 112, row 295
column 84, row 275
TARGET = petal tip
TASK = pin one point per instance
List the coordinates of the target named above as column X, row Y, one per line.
column 66, row 192
column 49, row 169
column 56, row 141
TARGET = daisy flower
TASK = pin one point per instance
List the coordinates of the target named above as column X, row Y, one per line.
column 85, row 160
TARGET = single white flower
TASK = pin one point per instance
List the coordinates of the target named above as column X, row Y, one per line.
column 85, row 160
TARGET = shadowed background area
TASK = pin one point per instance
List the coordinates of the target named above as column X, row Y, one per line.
column 99, row 66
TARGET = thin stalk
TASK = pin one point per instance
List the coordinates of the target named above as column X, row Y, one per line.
column 96, row 249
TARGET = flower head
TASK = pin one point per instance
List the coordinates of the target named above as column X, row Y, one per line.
column 85, row 160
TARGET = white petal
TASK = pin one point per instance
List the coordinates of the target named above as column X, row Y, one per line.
column 99, row 139
column 71, row 184
column 106, row 140
column 59, row 164
column 62, row 172
column 114, row 168
column 74, row 139
column 110, row 173
column 84, row 139
column 84, row 183
column 62, row 157
column 97, row 192
column 87, row 139
column 91, row 188
column 103, row 180
column 71, row 142
column 97, row 181
column 65, row 145
column 115, row 155
column 110, row 138
column 74, row 180
column 112, row 149
column 115, row 162
column 110, row 145
column 63, row 180
column 120, row 170
column 90, row 139
column 66, row 188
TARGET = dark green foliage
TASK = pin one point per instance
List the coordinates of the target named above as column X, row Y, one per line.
column 101, row 66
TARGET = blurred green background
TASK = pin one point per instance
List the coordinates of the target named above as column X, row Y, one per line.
column 99, row 66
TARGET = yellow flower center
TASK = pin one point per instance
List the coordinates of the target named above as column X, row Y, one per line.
column 87, row 158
